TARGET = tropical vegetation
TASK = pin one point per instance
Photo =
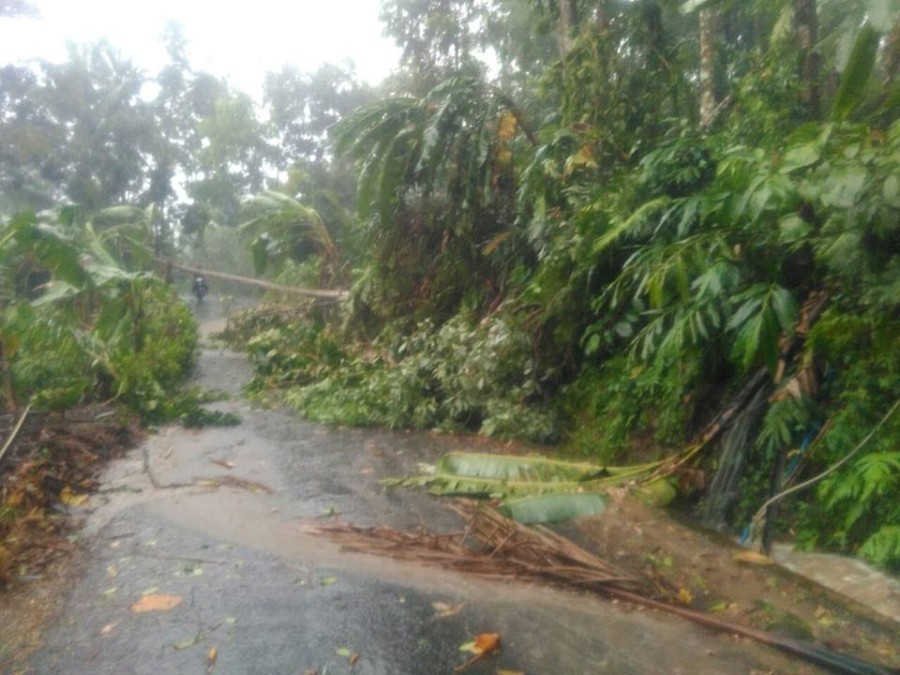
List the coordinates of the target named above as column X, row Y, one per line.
column 623, row 227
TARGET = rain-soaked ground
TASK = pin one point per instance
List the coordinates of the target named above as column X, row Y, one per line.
column 211, row 520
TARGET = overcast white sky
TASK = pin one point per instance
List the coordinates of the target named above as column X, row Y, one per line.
column 239, row 40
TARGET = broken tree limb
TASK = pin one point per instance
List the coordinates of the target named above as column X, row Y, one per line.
column 15, row 431
column 841, row 663
column 834, row 467
column 816, row 303
column 322, row 294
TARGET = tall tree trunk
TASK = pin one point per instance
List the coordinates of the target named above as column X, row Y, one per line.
column 9, row 394
column 601, row 17
column 891, row 58
column 567, row 21
column 806, row 30
column 708, row 22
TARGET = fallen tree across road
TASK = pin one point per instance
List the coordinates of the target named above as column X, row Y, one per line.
column 323, row 294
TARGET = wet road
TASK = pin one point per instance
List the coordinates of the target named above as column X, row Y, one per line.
column 214, row 518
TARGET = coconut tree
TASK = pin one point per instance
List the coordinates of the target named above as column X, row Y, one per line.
column 437, row 187
column 280, row 228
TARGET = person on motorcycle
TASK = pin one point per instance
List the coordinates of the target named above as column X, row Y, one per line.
column 199, row 288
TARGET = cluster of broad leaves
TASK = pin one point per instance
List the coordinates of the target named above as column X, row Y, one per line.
column 567, row 250
column 453, row 377
column 77, row 327
column 584, row 261
column 651, row 267
column 715, row 284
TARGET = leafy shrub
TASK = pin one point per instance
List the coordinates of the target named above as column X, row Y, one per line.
column 610, row 408
column 285, row 344
column 453, row 378
column 136, row 341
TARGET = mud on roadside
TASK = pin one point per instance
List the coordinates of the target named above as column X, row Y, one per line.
column 707, row 572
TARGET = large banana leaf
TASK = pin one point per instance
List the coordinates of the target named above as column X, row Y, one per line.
column 857, row 74
column 511, row 467
column 505, row 476
column 554, row 508
column 452, row 484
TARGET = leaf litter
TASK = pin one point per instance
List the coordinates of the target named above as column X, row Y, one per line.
column 50, row 462
column 494, row 546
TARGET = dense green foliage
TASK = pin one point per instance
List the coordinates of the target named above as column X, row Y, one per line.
column 82, row 329
column 651, row 264
column 591, row 221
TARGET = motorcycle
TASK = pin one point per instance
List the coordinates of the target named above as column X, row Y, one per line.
column 199, row 288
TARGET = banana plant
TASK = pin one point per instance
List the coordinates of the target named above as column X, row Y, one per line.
column 280, row 228
column 535, row 489
column 455, row 141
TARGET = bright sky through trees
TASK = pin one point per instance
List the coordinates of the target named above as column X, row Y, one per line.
column 240, row 41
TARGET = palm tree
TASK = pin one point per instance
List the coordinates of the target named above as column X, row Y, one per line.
column 280, row 228
column 437, row 185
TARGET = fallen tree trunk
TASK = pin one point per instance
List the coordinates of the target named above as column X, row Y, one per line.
column 322, row 294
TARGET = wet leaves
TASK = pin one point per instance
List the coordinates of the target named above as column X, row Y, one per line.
column 487, row 643
column 189, row 642
column 156, row 603
column 51, row 461
column 483, row 645
column 351, row 656
column 233, row 482
column 442, row 610
column 108, row 628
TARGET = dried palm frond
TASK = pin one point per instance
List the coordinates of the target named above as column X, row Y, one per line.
column 492, row 546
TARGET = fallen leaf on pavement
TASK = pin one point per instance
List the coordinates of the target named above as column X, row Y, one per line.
column 156, row 603
column 211, row 658
column 444, row 609
column 481, row 646
column 685, row 597
column 108, row 628
column 190, row 642
column 328, row 581
column 487, row 643
column 223, row 462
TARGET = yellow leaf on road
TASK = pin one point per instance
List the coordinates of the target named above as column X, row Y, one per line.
column 156, row 603
column 685, row 596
